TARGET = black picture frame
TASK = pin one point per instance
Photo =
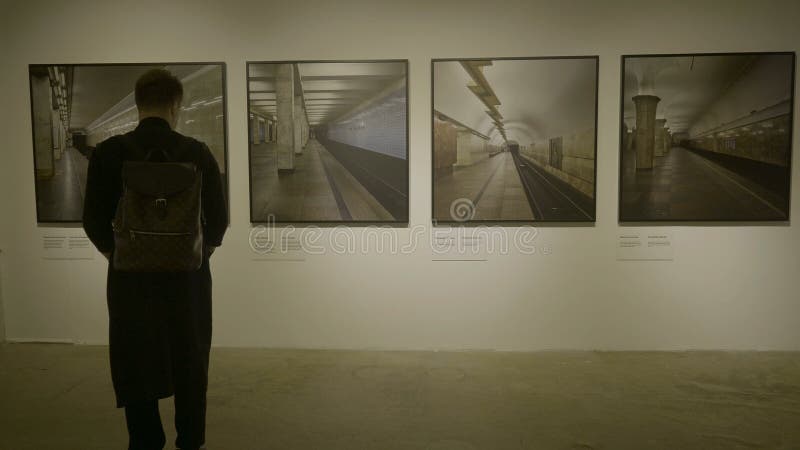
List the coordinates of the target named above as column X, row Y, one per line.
column 403, row 221
column 591, row 217
column 224, row 87
column 627, row 219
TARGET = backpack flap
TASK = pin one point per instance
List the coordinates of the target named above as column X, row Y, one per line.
column 158, row 179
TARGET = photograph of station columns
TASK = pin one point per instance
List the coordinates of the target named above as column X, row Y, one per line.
column 706, row 137
column 514, row 139
column 75, row 107
column 328, row 141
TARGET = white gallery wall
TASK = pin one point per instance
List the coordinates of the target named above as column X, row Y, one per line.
column 728, row 287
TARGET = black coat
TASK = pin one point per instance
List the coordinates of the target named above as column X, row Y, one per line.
column 159, row 323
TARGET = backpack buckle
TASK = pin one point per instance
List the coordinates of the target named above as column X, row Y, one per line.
column 161, row 207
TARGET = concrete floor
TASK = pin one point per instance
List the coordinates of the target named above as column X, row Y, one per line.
column 60, row 397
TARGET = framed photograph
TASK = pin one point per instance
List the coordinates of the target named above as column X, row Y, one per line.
column 514, row 139
column 328, row 141
column 74, row 107
column 706, row 137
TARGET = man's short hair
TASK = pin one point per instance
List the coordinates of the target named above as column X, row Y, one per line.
column 157, row 88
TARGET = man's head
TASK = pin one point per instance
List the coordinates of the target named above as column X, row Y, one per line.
column 159, row 94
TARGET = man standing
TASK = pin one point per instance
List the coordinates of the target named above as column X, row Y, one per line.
column 159, row 323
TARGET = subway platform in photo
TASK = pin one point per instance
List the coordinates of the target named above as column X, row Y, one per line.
column 706, row 137
column 514, row 139
column 328, row 142
column 76, row 107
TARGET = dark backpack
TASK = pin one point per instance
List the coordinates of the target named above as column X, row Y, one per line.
column 158, row 223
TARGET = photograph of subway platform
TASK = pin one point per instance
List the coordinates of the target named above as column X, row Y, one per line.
column 706, row 137
column 75, row 107
column 514, row 139
column 328, row 141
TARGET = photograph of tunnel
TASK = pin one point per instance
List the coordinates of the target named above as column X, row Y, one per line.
column 328, row 141
column 706, row 137
column 75, row 107
column 514, row 139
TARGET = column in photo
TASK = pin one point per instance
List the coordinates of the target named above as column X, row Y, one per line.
column 42, row 122
column 59, row 131
column 463, row 148
column 660, row 137
column 56, row 138
column 299, row 118
column 285, row 98
column 628, row 136
column 645, row 129
column 445, row 141
column 254, row 130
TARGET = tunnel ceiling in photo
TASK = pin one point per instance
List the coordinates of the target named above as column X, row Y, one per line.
column 100, row 91
column 329, row 89
column 97, row 89
column 533, row 99
column 686, row 85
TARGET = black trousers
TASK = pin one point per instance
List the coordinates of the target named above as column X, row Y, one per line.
column 189, row 377
column 145, row 429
